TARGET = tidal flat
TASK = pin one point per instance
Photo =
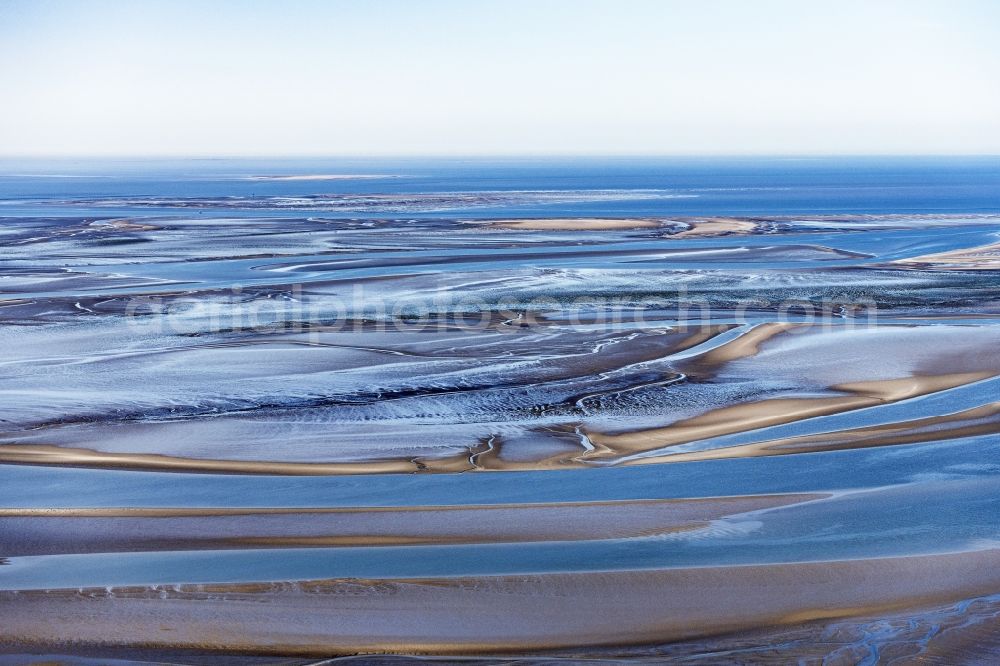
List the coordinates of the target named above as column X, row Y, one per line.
column 622, row 411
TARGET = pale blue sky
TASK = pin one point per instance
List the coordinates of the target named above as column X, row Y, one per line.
column 446, row 77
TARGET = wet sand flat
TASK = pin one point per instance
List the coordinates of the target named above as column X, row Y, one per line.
column 491, row 614
column 52, row 530
column 583, row 377
column 610, row 447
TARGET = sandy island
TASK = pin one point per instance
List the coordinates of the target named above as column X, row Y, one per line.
column 717, row 226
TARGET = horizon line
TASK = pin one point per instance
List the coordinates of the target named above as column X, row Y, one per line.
column 487, row 155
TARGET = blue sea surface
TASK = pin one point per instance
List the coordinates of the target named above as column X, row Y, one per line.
column 703, row 186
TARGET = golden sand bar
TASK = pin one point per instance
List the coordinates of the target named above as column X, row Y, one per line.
column 483, row 614
column 717, row 226
column 81, row 530
column 979, row 421
column 746, row 345
column 984, row 420
column 42, row 454
column 776, row 411
column 981, row 258
column 767, row 413
column 575, row 224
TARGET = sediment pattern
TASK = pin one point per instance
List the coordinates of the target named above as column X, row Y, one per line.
column 305, row 436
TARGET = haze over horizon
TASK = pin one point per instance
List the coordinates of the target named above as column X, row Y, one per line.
column 499, row 78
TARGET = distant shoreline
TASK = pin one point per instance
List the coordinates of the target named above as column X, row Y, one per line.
column 334, row 176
